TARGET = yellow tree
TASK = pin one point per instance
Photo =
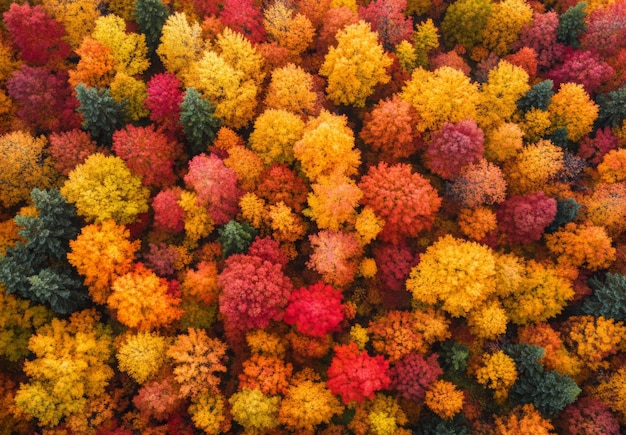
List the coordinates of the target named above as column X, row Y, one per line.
column 142, row 355
column 333, row 202
column 181, row 43
column 291, row 89
column 274, row 135
column 572, row 108
column 504, row 25
column 77, row 16
column 498, row 373
column 355, row 66
column 307, row 404
column 291, row 31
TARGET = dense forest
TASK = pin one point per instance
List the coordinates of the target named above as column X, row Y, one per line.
column 313, row 216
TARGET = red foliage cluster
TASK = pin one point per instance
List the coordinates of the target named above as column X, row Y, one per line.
column 584, row 67
column 168, row 214
column 315, row 310
column 412, row 375
column 524, row 218
column 394, row 263
column 280, row 183
column 244, row 17
column 163, row 101
column 70, row 148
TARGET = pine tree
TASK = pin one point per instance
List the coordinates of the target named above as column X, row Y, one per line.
column 198, row 120
column 102, row 115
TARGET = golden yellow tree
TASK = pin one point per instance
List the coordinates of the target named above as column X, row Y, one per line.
column 181, row 43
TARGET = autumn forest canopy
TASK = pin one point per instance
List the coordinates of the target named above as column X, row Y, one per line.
column 313, row 216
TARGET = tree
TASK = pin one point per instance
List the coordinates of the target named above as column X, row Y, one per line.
column 291, row 89
column 454, row 146
column 102, row 115
column 584, row 67
column 23, row 167
column 316, row 310
column 293, row 32
column 524, row 218
column 584, row 244
column 523, row 419
column 498, row 373
column 168, row 214
column 612, row 168
column 267, row 373
column 405, row 200
column 148, row 154
column 594, row 149
column 534, row 167
column 336, row 256
column 572, row 24
column 307, row 404
column 465, row 21
column 197, row 116
column 36, row 34
column 216, row 186
column 101, row 253
column 96, row 67
column 593, row 339
column 606, row 30
column 504, row 24
column 77, row 17
column 506, row 84
column 356, row 376
column 413, row 374
column 104, row 188
column 163, row 101
column 279, row 183
column 181, row 43
column 458, row 273
column 274, row 135
column 390, row 129
column 587, row 415
column 425, row 91
column 69, row 369
column 197, row 359
column 142, row 355
column 444, row 399
column 244, row 17
column 36, row 268
column 207, row 413
column 394, row 263
column 333, row 202
column 69, row 149
column 132, row 93
column 142, row 301
column 541, row 35
column 151, row 15
column 128, row 50
column 254, row 410
column 353, row 73
column 326, row 147
column 571, row 108
column 609, row 297
column 387, row 19
column 477, row 184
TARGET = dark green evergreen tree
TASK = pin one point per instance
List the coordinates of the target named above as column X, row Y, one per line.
column 566, row 211
column 538, row 97
column 612, row 108
column 236, row 237
column 572, row 25
column 199, row 124
column 37, row 269
column 609, row 297
column 102, row 115
column 150, row 16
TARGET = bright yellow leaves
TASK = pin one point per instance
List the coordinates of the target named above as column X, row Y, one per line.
column 254, row 410
column 572, row 108
column 355, row 66
column 333, row 202
column 274, row 135
column 142, row 355
column 498, row 373
column 533, row 167
column 504, row 25
column 181, row 43
column 291, row 89
column 307, row 404
column 327, row 147
column 445, row 95
column 458, row 273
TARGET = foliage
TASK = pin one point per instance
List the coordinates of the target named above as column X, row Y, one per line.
column 609, row 297
column 504, row 25
column 291, row 31
column 96, row 67
column 181, row 43
column 164, row 100
column 315, row 310
column 69, row 149
column 197, row 116
column 453, row 147
column 103, row 187
column 523, row 419
column 571, row 108
column 291, row 89
column 588, row 415
column 151, row 16
column 245, row 17
column 388, row 20
column 274, row 135
column 235, row 237
column 582, row 244
column 142, row 355
column 413, row 374
column 333, row 202
column 307, row 404
column 353, row 73
column 465, row 21
column 444, row 399
column 572, row 24
column 498, row 373
column 102, row 115
column 524, row 218
column 207, row 413
column 336, row 256
column 254, row 410
column 131, row 92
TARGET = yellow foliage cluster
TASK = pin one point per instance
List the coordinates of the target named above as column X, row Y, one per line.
column 498, row 97
column 523, row 420
column 308, row 404
column 181, row 43
column 291, row 89
column 488, row 320
column 247, row 165
column 128, row 50
column 503, row 142
column 77, row 16
column 133, row 91
column 291, row 31
column 207, row 413
column 533, row 167
column 594, row 339
column 198, row 223
column 444, row 399
column 583, row 244
column 572, row 108
column 368, row 225
column 274, row 135
column 333, row 202
column 498, row 373
column 142, row 355
column 254, row 410
column 504, row 25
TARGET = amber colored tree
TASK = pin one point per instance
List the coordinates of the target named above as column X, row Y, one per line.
column 489, row 320
column 245, row 17
column 77, row 17
column 477, row 223
column 142, row 355
column 274, row 135
column 288, row 28
column 444, row 399
column 279, row 183
column 69, row 149
column 533, row 167
column 354, row 72
column 326, row 147
column 497, row 373
column 390, row 129
column 405, row 200
column 23, row 167
column 458, row 273
column 269, row 374
column 336, row 256
column 208, row 413
column 247, row 165
column 101, row 253
column 291, row 89
column 503, row 142
column 572, row 108
column 557, row 357
column 356, row 376
column 96, row 67
column 612, row 169
column 480, row 183
column 69, row 368
column 523, row 420
column 335, row 19
column 141, row 300
column 606, row 207
column 216, row 186
column 525, row 58
column 147, row 153
column 524, row 218
column 255, row 411
column 307, row 404
column 611, row 391
column 582, row 245
column 104, row 188
column 426, row 90
column 130, row 92
column 201, row 283
column 454, row 146
column 333, row 202
column 181, row 43
column 198, row 359
column 315, row 310
column 38, row 37
column 128, row 50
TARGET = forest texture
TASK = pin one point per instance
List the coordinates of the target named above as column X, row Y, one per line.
column 313, row 216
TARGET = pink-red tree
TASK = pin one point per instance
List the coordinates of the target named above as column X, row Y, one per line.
column 216, row 186
column 540, row 35
column 405, row 200
column 244, row 17
column 606, row 30
column 356, row 376
column 453, row 147
column 388, row 19
column 148, row 153
column 413, row 374
column 594, row 149
column 584, row 67
column 394, row 262
column 163, row 101
column 69, row 149
column 588, row 416
column 315, row 310
column 524, row 218
column 37, row 36
column 168, row 214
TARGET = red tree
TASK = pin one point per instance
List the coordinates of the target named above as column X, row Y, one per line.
column 540, row 35
column 412, row 375
column 244, row 17
column 588, row 416
column 268, row 249
column 168, row 214
column 455, row 146
column 163, row 101
column 280, row 183
column 356, row 376
column 584, row 67
column 316, row 310
column 37, row 36
column 404, row 199
column 388, row 19
column 594, row 149
column 216, row 186
column 394, row 263
column 69, row 149
column 524, row 218
column 147, row 153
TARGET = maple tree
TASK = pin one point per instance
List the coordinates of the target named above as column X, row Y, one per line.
column 142, row 355
column 404, row 199
column 96, row 65
column 524, row 218
column 352, row 74
column 335, row 256
column 181, row 43
column 588, row 415
column 274, row 135
column 315, row 310
column 244, row 17
column 454, row 146
column 164, row 97
column 388, row 20
column 291, row 89
column 465, row 21
column 333, row 202
column 444, row 399
column 290, row 30
column 524, row 419
column 269, row 374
